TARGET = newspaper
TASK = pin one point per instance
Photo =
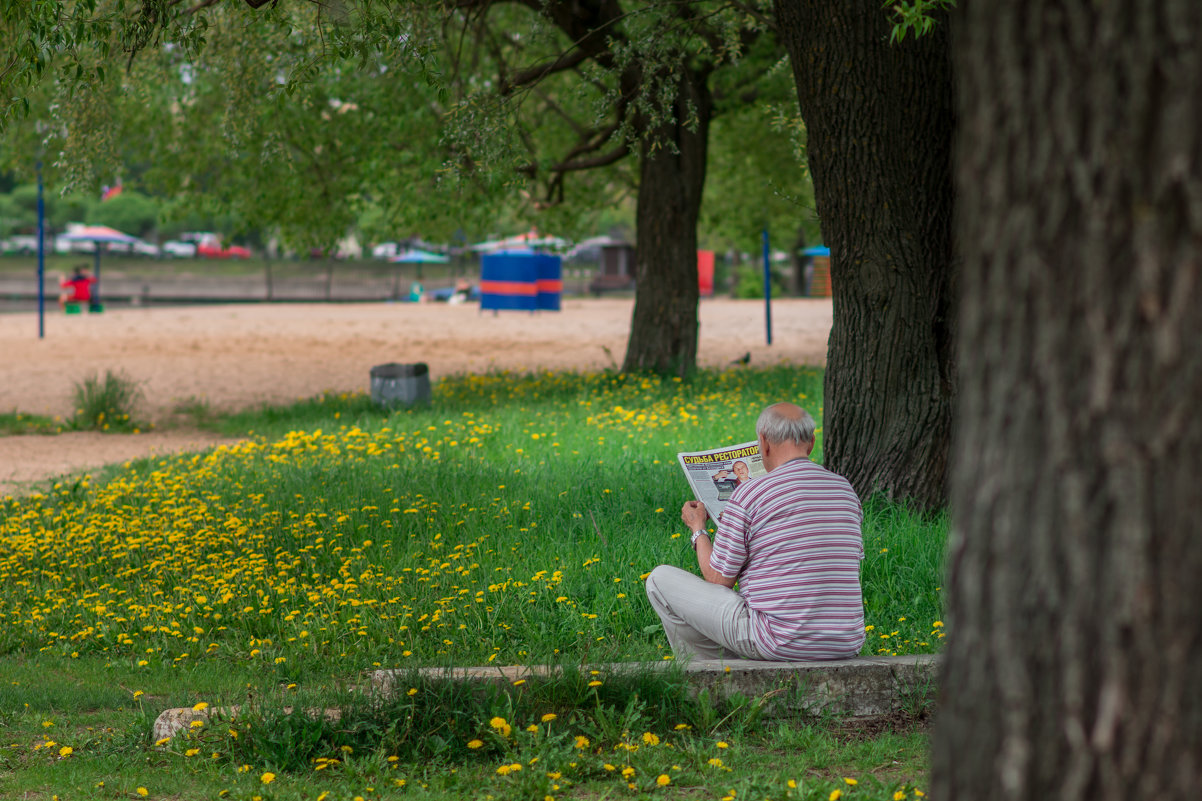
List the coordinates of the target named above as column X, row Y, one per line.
column 714, row 474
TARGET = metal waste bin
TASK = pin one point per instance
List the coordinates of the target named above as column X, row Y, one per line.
column 395, row 384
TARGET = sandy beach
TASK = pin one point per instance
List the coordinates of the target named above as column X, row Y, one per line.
column 237, row 356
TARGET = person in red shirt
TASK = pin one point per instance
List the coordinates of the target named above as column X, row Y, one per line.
column 77, row 288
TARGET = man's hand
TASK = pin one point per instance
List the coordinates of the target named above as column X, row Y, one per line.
column 694, row 515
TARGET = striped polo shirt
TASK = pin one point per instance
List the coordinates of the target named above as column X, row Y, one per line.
column 792, row 538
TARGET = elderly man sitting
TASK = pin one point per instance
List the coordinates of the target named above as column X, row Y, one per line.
column 791, row 540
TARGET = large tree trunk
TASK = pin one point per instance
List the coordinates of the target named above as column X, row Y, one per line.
column 663, row 331
column 1074, row 661
column 879, row 119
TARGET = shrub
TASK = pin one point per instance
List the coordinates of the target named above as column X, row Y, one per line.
column 106, row 404
column 749, row 282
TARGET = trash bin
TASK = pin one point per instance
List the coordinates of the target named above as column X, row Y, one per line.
column 395, row 384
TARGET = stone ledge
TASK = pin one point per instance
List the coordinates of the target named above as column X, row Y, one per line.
column 171, row 722
column 861, row 687
column 865, row 687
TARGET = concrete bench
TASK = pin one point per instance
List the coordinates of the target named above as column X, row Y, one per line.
column 863, row 688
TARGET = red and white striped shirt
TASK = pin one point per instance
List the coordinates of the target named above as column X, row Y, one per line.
column 792, row 538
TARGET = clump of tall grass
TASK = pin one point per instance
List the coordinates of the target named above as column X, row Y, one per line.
column 106, row 404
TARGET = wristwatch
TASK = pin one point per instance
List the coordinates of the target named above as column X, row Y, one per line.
column 697, row 534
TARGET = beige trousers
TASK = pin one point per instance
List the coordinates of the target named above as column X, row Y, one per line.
column 702, row 620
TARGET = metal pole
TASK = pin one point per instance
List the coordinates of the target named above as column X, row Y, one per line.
column 41, row 257
column 767, row 289
column 95, row 302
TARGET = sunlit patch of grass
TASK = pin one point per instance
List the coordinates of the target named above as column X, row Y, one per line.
column 324, row 410
column 513, row 520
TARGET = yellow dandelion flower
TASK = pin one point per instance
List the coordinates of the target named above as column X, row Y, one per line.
column 267, row 778
column 836, row 795
column 200, row 707
column 650, row 738
column 581, row 741
column 66, row 751
column 142, row 791
column 474, row 744
column 663, row 780
column 850, row 782
column 547, row 718
column 722, row 744
column 594, row 683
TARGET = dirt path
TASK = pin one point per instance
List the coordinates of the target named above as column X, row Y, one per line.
column 232, row 357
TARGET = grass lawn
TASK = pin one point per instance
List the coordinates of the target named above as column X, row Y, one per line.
column 509, row 522
column 12, row 423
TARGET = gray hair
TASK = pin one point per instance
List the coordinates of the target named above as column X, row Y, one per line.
column 785, row 422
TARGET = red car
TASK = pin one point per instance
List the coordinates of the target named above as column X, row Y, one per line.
column 209, row 246
column 214, row 250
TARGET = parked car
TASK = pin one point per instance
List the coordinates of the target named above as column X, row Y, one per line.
column 136, row 247
column 179, row 250
column 210, row 246
column 64, row 245
column 22, row 243
column 219, row 251
column 385, row 250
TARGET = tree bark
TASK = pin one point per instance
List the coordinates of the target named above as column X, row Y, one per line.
column 879, row 119
column 1074, row 661
column 663, row 329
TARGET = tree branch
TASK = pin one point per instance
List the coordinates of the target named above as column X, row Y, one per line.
column 565, row 61
column 203, row 4
column 603, row 160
